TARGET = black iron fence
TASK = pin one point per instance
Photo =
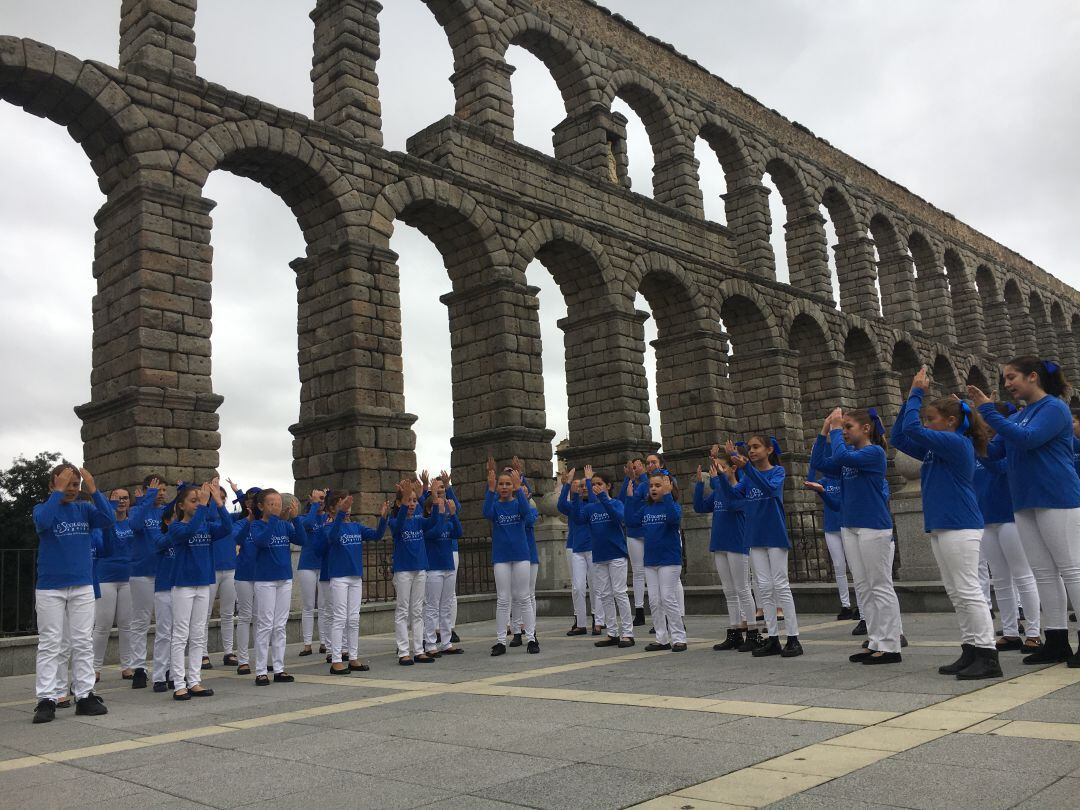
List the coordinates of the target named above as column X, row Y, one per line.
column 475, row 571
column 809, row 560
column 18, row 573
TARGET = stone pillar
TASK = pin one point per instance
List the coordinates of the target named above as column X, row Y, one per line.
column 808, row 254
column 917, row 563
column 353, row 430
column 856, row 270
column 896, row 276
column 152, row 408
column 748, row 219
column 343, row 74
column 607, row 389
column 998, row 334
column 676, row 182
column 484, row 96
column 593, row 140
column 935, row 301
column 157, row 37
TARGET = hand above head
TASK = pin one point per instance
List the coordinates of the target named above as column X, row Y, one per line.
column 738, row 462
column 714, row 451
column 921, row 381
column 518, row 465
column 451, row 506
column 384, row 511
column 215, row 493
column 701, row 472
column 64, row 477
column 491, row 463
column 835, row 420
column 568, row 476
column 203, row 497
column 345, row 504
column 588, row 470
column 445, row 476
column 515, row 479
column 977, row 396
column 730, row 448
column 318, row 495
column 232, row 485
column 87, row 480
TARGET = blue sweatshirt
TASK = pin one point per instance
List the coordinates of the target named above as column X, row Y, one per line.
column 273, row 556
column 1037, row 443
column 166, row 562
column 577, row 539
column 636, row 532
column 831, row 503
column 760, row 495
column 145, row 518
column 948, row 469
column 116, row 566
column 602, row 517
column 63, row 531
column 343, row 545
column 311, row 555
column 728, row 522
column 450, row 496
column 410, row 553
column 439, row 539
column 508, row 519
column 246, row 551
column 1076, row 454
column 101, row 549
column 864, row 492
column 992, row 491
column 530, row 536
column 194, row 543
column 659, row 523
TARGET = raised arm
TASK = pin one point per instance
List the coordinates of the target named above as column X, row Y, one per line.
column 1045, row 425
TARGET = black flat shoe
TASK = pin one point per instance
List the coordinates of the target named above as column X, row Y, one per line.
column 230, row 660
column 844, row 615
column 201, row 692
column 283, row 677
column 498, row 649
column 262, row 680
column 206, row 664
column 883, row 658
column 159, row 686
column 533, row 647
column 678, row 647
column 639, row 617
column 453, row 651
column 243, row 669
column 576, row 631
column 656, row 647
column 322, row 649
column 342, row 671
column 652, row 631
column 625, row 642
column 305, row 653
column 860, row 628
column 356, row 666
column 423, row 659
column 139, row 679
column 792, row 648
column 454, row 637
column 1009, row 644
column 903, row 641
column 967, row 655
column 858, row 658
column 985, row 665
column 610, row 641
column 329, row 658
column 45, row 712
column 64, row 704
column 405, row 661
column 178, row 696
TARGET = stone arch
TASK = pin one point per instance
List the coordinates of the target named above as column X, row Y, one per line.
column 673, row 296
column 810, row 341
column 801, row 307
column 932, row 285
column 761, row 379
column 466, row 25
column 804, row 229
column 758, row 309
column 1066, row 354
column 966, row 306
column 999, row 339
column 853, row 252
column 1023, row 327
column 905, row 365
column 97, row 112
column 894, row 274
column 568, row 251
column 861, row 354
column 944, row 379
column 730, row 149
column 1074, row 344
column 976, row 377
column 1045, row 339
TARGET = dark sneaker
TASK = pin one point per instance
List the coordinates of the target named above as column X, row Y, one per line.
column 45, row 712
column 792, row 648
column 405, row 661
column 576, row 631
column 498, row 649
column 883, row 658
column 733, row 640
column 454, row 637
column 845, row 614
column 516, row 640
column 610, row 641
column 533, row 647
column 967, row 655
column 751, row 642
column 770, row 647
column 159, row 686
column 903, row 641
column 678, row 647
column 860, row 628
column 138, row 679
column 639, row 617
column 283, row 677
column 90, row 706
column 656, row 647
column 625, row 642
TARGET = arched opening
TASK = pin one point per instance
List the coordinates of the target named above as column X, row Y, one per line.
column 778, row 217
column 633, row 155
column 407, row 30
column 662, row 168
column 797, row 235
column 943, row 377
column 816, row 384
column 906, row 364
column 1045, row 340
column 976, row 377
column 753, row 379
column 538, row 104
column 1023, row 327
column 712, row 176
column 641, row 304
column 843, row 236
column 860, row 353
column 878, row 299
column 832, row 246
column 967, row 314
column 1062, row 339
column 995, row 316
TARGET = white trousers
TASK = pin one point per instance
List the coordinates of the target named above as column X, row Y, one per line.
column 245, row 614
column 581, row 575
column 517, row 624
column 272, row 600
column 190, row 604
column 957, row 555
column 309, row 585
column 870, row 554
column 1051, row 539
column 734, row 571
column 984, row 576
column 610, row 580
column 839, row 563
column 224, row 588
column 113, row 606
column 636, row 548
column 438, row 604
column 325, row 611
column 1012, row 578
column 774, row 590
column 409, row 612
column 453, row 606
column 345, row 631
column 75, row 607
column 142, row 609
column 663, row 584
column 512, row 586
column 162, row 635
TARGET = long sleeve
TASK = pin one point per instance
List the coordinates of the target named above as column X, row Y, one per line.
column 900, row 441
column 489, row 505
column 435, row 529
column 830, row 500
column 45, row 513
column 611, row 505
column 820, row 456
column 261, row 533
column 700, row 505
column 563, row 505
column 996, row 451
column 865, row 458
column 774, row 488
column 180, row 533
column 672, row 511
column 634, row 508
column 101, row 511
column 333, row 531
column 577, row 512
column 222, row 527
column 947, row 444
column 1044, row 426
column 373, row 534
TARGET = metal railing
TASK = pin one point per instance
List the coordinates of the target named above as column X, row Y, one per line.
column 18, row 575
column 475, row 571
column 809, row 560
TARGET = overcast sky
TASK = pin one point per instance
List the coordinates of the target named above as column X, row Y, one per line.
column 972, row 104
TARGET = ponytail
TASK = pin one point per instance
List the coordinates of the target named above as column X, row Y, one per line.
column 1051, row 375
column 968, row 421
column 869, row 416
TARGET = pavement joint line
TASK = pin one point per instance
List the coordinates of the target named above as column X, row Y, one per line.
column 813, row 765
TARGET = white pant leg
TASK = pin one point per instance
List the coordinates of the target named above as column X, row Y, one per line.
column 104, row 612
column 521, row 596
column 245, row 599
column 123, row 625
column 354, row 598
column 162, row 635
column 680, row 593
column 282, row 603
column 339, row 587
column 51, row 607
column 669, row 579
column 142, row 609
column 446, row 609
column 635, row 546
column 63, row 670
column 957, row 554
column 80, row 623
column 579, row 568
column 325, row 611
column 1024, row 587
column 534, row 570
column 416, row 611
column 189, row 607
column 727, row 582
column 785, row 601
column 740, row 574
column 606, row 595
column 265, row 603
column 595, row 603
column 839, row 564
column 197, row 640
column 226, row 591
column 617, row 578
column 984, row 578
column 210, row 610
column 1001, row 579
column 453, row 605
column 403, row 583
column 759, row 561
column 309, row 582
column 1060, row 530
column 503, row 588
column 876, row 550
column 433, row 586
column 656, row 604
column 1052, row 594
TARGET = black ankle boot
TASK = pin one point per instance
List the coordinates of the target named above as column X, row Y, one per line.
column 1074, row 659
column 770, row 647
column 733, row 641
column 985, row 665
column 639, row 616
column 1054, row 651
column 751, row 642
column 966, row 657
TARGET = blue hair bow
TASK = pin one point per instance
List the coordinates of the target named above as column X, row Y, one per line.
column 965, row 417
column 775, row 446
column 1051, row 367
column 873, row 414
column 664, row 471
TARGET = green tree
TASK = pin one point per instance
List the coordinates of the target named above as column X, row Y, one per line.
column 23, row 485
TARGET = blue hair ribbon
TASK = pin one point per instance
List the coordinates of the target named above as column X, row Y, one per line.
column 873, row 414
column 775, row 446
column 1051, row 367
column 965, row 417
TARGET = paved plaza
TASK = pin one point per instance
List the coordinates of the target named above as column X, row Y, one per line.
column 573, row 727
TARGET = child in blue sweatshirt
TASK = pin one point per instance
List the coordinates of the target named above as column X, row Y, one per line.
column 145, row 520
column 731, row 556
column 114, row 602
column 597, row 513
column 581, row 566
column 408, row 527
column 245, row 576
column 308, row 569
column 635, row 540
column 760, row 495
column 341, row 545
column 193, row 528
column 1038, row 449
column 273, row 536
column 660, row 518
column 508, row 509
column 945, row 440
column 439, row 541
column 828, row 489
column 64, row 593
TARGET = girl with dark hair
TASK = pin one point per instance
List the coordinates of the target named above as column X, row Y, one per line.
column 946, row 441
column 1037, row 445
column 273, row 535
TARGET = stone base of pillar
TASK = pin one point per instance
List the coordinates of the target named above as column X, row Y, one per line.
column 697, row 529
column 554, row 573
column 917, row 563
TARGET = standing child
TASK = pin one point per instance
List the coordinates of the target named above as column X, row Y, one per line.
column 308, row 569
column 508, row 509
column 761, row 496
column 659, row 518
column 114, row 605
column 635, row 476
column 145, row 522
column 410, row 576
column 828, row 489
column 441, row 574
column 579, row 544
column 946, row 441
column 272, row 536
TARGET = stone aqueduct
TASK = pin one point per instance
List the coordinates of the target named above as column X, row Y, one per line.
column 154, row 131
